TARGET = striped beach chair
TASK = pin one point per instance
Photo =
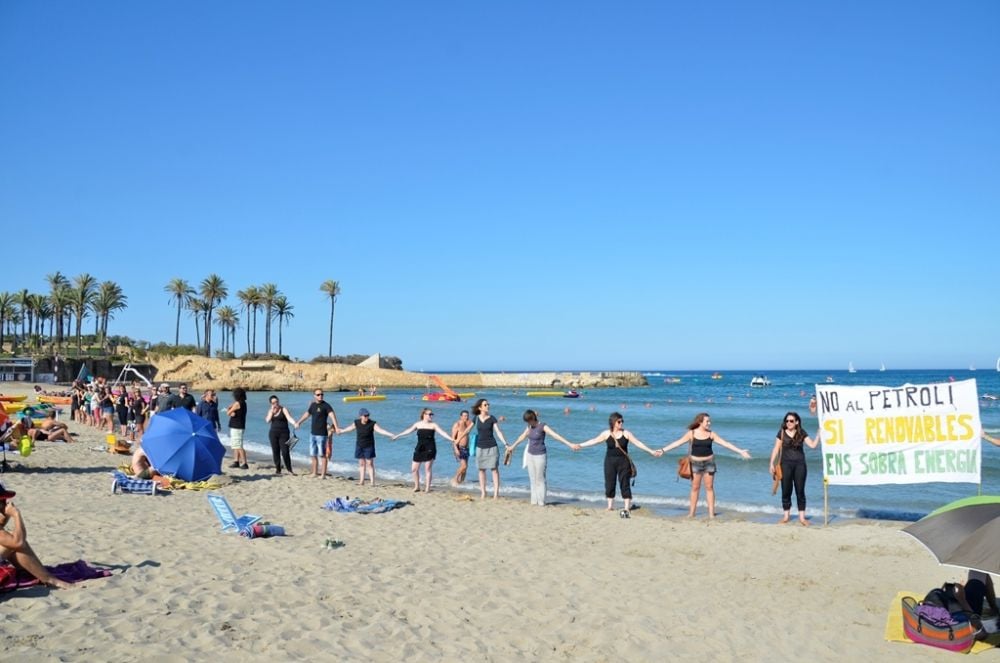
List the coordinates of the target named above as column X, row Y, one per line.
column 122, row 483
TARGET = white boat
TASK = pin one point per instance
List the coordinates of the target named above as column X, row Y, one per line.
column 760, row 381
column 998, row 364
column 882, row 367
column 971, row 367
column 829, row 379
column 850, row 367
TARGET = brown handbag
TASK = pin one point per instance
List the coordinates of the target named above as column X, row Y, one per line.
column 684, row 464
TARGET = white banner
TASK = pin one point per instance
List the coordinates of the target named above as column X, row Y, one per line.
column 916, row 433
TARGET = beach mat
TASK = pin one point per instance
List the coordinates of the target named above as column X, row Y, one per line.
column 377, row 505
column 894, row 626
column 72, row 572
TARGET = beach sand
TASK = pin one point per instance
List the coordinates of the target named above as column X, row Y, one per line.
column 445, row 578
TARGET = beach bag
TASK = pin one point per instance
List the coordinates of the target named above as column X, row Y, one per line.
column 934, row 625
column 684, row 464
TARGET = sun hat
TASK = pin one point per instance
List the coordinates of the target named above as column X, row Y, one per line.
column 6, row 494
column 363, row 412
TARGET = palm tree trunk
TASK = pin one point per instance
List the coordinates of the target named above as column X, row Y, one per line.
column 279, row 334
column 329, row 352
column 177, row 330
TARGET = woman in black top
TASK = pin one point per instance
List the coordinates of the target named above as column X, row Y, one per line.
column 364, row 447
column 788, row 447
column 487, row 450
column 121, row 409
column 700, row 436
column 616, row 462
column 426, row 450
column 279, row 418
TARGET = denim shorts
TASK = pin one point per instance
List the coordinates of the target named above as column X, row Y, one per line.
column 317, row 445
column 702, row 466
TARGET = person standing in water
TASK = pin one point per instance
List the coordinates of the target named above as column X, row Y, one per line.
column 536, row 458
column 279, row 419
column 426, row 450
column 237, row 412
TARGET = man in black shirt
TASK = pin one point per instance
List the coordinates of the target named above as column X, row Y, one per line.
column 321, row 437
column 186, row 400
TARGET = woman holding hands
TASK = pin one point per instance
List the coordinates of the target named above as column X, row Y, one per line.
column 616, row 460
column 700, row 436
column 426, row 450
column 536, row 455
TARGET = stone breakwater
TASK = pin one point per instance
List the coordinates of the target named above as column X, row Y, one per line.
column 224, row 374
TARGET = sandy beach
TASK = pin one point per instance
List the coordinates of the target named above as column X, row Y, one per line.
column 444, row 578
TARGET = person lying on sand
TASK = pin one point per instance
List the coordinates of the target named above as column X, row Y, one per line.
column 14, row 545
column 50, row 429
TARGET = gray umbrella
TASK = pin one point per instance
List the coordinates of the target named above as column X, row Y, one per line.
column 964, row 533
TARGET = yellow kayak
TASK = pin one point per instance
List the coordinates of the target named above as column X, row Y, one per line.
column 355, row 399
column 13, row 399
column 10, row 408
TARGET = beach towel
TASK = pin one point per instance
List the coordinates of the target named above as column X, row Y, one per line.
column 123, row 483
column 894, row 626
column 262, row 531
column 69, row 572
column 378, row 505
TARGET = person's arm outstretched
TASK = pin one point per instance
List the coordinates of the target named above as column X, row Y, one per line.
column 686, row 437
column 742, row 452
column 639, row 443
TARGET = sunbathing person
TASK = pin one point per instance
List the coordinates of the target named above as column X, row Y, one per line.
column 141, row 467
column 14, row 544
column 50, row 429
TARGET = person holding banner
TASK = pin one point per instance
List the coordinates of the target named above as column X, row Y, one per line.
column 991, row 440
column 700, row 436
column 788, row 446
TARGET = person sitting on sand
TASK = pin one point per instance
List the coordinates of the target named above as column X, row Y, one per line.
column 14, row 545
column 49, row 429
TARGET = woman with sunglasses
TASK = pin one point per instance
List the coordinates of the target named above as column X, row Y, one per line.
column 788, row 445
column 616, row 461
column 426, row 450
column 487, row 430
column 700, row 436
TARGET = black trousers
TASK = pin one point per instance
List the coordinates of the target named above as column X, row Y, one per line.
column 280, row 450
column 617, row 468
column 793, row 474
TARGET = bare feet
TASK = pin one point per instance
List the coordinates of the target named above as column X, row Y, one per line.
column 416, row 489
column 783, row 521
column 803, row 522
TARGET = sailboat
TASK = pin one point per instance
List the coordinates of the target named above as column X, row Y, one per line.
column 998, row 364
column 882, row 367
column 850, row 367
column 972, row 367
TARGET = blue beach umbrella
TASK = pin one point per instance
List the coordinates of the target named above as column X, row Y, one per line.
column 182, row 444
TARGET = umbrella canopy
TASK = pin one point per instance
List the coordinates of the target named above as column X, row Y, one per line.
column 182, row 444
column 963, row 533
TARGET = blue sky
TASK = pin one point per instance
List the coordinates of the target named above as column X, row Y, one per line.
column 701, row 185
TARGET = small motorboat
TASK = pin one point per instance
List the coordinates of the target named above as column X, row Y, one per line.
column 671, row 380
column 829, row 379
column 760, row 381
column 717, row 376
column 572, row 393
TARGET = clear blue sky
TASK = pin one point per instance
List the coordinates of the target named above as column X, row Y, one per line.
column 700, row 185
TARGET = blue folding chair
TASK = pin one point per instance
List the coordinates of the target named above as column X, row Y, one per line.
column 227, row 516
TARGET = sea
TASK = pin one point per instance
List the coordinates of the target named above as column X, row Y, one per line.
column 656, row 414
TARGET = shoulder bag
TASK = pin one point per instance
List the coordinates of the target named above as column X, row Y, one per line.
column 633, row 471
column 684, row 464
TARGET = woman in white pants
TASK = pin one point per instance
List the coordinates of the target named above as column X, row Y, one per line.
column 535, row 460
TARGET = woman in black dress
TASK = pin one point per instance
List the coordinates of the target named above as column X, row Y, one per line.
column 426, row 450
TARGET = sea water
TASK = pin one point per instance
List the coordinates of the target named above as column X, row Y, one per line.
column 657, row 414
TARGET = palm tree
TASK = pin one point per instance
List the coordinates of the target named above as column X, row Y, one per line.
column 196, row 307
column 213, row 290
column 250, row 300
column 179, row 291
column 83, row 297
column 268, row 292
column 109, row 299
column 332, row 290
column 7, row 308
column 23, row 299
column 227, row 320
column 283, row 310
column 58, row 287
column 43, row 313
